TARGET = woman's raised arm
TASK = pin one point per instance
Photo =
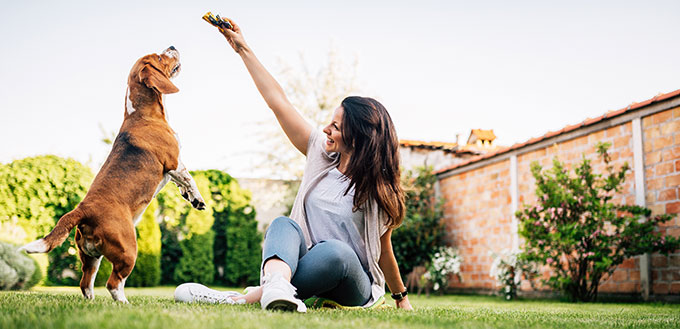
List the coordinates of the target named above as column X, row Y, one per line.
column 294, row 125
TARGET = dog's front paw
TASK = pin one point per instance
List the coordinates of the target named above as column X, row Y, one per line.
column 198, row 204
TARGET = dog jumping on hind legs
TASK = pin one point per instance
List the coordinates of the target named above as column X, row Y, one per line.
column 144, row 157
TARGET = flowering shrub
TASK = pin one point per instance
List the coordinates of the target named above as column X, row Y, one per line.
column 579, row 233
column 445, row 262
column 509, row 269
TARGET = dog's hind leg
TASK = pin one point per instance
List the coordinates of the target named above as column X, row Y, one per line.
column 116, row 283
column 90, row 268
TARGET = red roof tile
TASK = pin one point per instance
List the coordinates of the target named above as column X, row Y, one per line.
column 586, row 122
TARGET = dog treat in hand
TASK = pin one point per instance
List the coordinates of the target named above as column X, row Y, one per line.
column 218, row 21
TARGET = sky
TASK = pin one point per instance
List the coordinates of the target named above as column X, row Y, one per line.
column 441, row 68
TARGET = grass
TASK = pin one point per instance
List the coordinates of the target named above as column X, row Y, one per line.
column 63, row 307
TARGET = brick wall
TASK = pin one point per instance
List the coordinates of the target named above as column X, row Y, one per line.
column 478, row 220
column 661, row 137
column 478, row 201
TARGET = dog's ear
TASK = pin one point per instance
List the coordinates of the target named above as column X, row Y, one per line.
column 156, row 80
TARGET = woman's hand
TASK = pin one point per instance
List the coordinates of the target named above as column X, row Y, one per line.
column 404, row 304
column 234, row 37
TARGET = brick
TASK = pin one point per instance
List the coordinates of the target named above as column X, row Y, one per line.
column 652, row 158
column 628, row 263
column 676, row 112
column 651, row 133
column 673, row 231
column 670, row 154
column 664, row 168
column 620, row 275
column 657, row 209
column 659, row 261
column 662, row 142
column 662, row 117
column 613, row 131
column 677, row 166
column 675, row 288
column 671, row 181
column 654, row 183
column 670, row 128
column 669, row 194
column 627, row 287
column 634, row 275
column 661, row 288
column 674, row 261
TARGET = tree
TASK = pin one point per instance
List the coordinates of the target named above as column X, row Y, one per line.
column 579, row 233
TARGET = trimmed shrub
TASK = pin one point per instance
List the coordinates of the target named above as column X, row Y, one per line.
column 16, row 269
column 34, row 193
column 192, row 229
column 147, row 270
column 238, row 243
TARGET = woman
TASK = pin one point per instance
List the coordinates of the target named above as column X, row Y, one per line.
column 336, row 243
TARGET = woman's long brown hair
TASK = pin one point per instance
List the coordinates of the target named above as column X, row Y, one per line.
column 374, row 165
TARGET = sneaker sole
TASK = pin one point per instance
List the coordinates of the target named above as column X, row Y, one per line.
column 282, row 305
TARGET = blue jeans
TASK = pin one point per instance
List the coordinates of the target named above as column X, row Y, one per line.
column 330, row 269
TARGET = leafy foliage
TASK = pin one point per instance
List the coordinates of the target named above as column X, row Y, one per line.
column 422, row 233
column 34, row 193
column 237, row 248
column 147, row 270
column 192, row 232
column 579, row 233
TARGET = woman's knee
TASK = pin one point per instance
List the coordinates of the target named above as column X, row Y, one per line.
column 283, row 222
column 336, row 251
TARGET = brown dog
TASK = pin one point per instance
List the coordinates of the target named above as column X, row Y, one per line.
column 144, row 157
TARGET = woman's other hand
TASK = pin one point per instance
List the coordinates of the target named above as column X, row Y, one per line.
column 234, row 37
column 404, row 304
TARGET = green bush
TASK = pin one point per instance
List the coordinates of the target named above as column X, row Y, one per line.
column 579, row 233
column 16, row 269
column 34, row 193
column 147, row 270
column 192, row 229
column 238, row 243
column 422, row 232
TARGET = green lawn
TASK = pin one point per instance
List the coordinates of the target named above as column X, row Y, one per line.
column 63, row 307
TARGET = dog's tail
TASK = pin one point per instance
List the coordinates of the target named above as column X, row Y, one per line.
column 60, row 232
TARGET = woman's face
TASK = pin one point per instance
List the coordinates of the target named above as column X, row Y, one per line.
column 333, row 132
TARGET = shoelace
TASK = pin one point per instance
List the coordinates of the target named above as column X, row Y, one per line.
column 212, row 297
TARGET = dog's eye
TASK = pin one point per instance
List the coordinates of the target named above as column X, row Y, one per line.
column 160, row 58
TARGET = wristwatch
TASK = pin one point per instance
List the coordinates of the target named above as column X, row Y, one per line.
column 400, row 295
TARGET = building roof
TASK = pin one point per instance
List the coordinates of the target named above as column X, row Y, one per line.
column 584, row 123
column 446, row 146
column 476, row 134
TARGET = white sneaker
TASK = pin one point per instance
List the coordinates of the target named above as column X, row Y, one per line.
column 278, row 294
column 194, row 292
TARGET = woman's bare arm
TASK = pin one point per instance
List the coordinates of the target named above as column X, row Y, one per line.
column 388, row 264
column 294, row 125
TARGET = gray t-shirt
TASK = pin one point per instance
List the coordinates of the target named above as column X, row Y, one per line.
column 330, row 215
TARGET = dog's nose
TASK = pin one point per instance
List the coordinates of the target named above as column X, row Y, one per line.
column 172, row 48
